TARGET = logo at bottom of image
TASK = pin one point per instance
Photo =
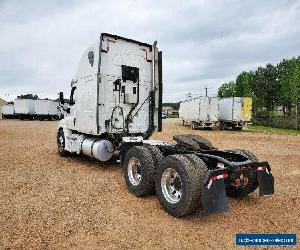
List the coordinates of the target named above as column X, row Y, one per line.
column 265, row 239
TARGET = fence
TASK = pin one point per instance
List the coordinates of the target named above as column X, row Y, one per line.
column 277, row 122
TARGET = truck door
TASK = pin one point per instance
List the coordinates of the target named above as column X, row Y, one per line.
column 247, row 109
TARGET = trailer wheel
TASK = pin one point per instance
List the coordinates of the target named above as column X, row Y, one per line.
column 237, row 128
column 233, row 191
column 193, row 126
column 61, row 143
column 178, row 185
column 139, row 171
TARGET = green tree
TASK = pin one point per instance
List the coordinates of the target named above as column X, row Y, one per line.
column 227, row 89
column 272, row 93
column 244, row 83
column 28, row 96
column 289, row 81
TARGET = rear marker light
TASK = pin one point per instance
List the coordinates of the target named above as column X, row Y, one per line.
column 217, row 177
column 263, row 168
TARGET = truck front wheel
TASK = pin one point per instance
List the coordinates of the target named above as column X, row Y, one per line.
column 61, row 143
column 139, row 171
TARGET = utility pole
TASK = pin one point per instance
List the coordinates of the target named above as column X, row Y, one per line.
column 206, row 91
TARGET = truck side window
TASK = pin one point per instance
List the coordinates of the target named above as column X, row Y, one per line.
column 72, row 97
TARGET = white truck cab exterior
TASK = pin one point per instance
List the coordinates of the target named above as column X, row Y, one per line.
column 117, row 92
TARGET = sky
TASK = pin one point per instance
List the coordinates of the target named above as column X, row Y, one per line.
column 204, row 43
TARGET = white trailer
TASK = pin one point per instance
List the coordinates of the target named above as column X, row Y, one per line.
column 116, row 104
column 200, row 112
column 24, row 108
column 8, row 111
column 46, row 109
column 235, row 112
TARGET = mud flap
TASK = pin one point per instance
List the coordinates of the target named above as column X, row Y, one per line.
column 214, row 199
column 265, row 182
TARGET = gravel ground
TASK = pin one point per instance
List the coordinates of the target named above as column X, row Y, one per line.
column 51, row 202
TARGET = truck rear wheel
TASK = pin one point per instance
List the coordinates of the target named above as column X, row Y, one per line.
column 156, row 154
column 244, row 152
column 139, row 171
column 252, row 184
column 61, row 142
column 178, row 185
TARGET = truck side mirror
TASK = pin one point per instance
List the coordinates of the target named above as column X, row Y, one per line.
column 61, row 98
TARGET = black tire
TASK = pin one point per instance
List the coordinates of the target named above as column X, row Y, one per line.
column 156, row 154
column 222, row 126
column 145, row 168
column 232, row 191
column 61, row 143
column 244, row 152
column 198, row 163
column 194, row 142
column 193, row 127
column 190, row 185
column 237, row 128
column 203, row 142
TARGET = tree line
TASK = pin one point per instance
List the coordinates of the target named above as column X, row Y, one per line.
column 273, row 88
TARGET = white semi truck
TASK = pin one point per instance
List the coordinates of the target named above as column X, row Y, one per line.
column 8, row 111
column 46, row 109
column 115, row 106
column 200, row 112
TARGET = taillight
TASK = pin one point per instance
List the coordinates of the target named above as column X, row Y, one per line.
column 221, row 176
column 262, row 168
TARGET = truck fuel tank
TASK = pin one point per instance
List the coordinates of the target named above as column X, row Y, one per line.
column 97, row 148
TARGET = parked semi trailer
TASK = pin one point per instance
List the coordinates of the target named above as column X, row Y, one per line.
column 46, row 109
column 235, row 112
column 24, row 108
column 116, row 104
column 8, row 111
column 200, row 112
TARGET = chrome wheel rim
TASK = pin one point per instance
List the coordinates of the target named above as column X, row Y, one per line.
column 60, row 143
column 171, row 185
column 134, row 171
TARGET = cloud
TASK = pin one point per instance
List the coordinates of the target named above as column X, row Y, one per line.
column 204, row 43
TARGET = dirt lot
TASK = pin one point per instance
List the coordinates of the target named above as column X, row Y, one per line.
column 51, row 202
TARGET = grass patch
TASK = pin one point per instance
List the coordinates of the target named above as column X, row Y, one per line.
column 264, row 129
